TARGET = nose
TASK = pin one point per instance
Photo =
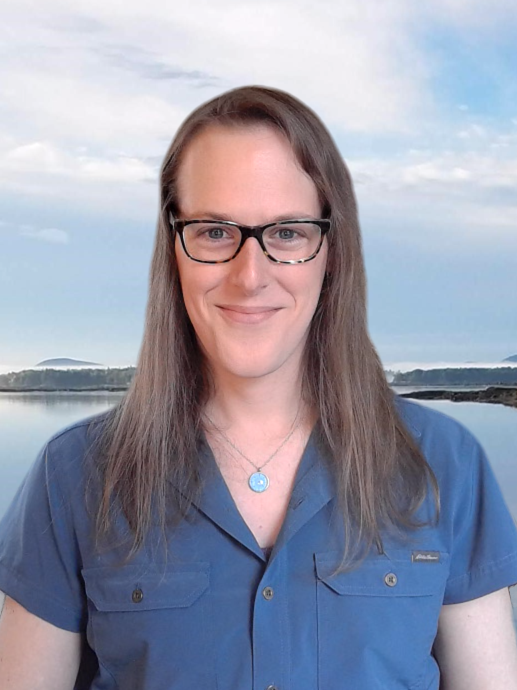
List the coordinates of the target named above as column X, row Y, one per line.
column 250, row 268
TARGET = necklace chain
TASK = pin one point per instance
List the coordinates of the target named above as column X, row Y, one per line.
column 258, row 481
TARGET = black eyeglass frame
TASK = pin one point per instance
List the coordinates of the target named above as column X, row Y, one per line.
column 256, row 231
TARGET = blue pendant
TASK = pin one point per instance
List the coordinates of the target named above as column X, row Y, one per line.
column 258, row 482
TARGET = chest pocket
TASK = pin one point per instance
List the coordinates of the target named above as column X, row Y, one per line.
column 150, row 628
column 377, row 624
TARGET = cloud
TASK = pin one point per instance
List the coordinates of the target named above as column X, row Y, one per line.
column 479, row 161
column 473, row 131
column 51, row 235
column 36, row 156
column 108, row 84
column 141, row 63
column 116, row 185
column 361, row 70
column 454, row 193
column 449, row 173
column 47, row 159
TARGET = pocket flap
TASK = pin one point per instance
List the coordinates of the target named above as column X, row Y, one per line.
column 384, row 576
column 131, row 588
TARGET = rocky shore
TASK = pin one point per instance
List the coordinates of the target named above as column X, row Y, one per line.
column 501, row 395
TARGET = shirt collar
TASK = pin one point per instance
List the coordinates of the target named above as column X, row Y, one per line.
column 313, row 489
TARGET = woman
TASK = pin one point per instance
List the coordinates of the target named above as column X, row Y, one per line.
column 260, row 511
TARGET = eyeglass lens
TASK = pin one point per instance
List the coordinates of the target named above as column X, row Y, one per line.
column 212, row 241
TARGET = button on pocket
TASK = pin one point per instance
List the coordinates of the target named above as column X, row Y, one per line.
column 137, row 596
column 390, row 579
column 152, row 624
column 377, row 623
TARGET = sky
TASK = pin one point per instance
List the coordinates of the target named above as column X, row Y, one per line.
column 421, row 99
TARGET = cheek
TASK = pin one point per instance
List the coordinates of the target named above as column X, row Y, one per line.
column 196, row 288
column 194, row 278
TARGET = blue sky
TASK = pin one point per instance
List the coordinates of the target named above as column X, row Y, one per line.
column 422, row 102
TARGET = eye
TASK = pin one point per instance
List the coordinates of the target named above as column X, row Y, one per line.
column 215, row 233
column 286, row 233
column 291, row 233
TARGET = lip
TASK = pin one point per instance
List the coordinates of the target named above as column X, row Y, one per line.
column 246, row 310
column 250, row 315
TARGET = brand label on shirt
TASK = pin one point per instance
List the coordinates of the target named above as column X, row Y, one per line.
column 425, row 556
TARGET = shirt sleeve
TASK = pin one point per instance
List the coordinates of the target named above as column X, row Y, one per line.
column 39, row 556
column 484, row 534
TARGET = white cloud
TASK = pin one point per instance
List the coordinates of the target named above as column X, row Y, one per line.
column 450, row 173
column 462, row 198
column 93, row 92
column 471, row 132
column 136, row 69
column 51, row 235
column 37, row 155
column 46, row 159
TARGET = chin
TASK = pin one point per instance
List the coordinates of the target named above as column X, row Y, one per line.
column 249, row 371
column 251, row 367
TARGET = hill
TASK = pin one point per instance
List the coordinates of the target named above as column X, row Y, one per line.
column 66, row 362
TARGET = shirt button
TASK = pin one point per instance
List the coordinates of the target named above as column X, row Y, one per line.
column 390, row 579
column 137, row 596
column 268, row 593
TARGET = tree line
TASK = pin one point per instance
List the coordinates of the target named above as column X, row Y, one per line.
column 501, row 376
column 68, row 379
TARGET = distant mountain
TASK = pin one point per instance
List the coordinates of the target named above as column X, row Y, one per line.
column 512, row 358
column 66, row 362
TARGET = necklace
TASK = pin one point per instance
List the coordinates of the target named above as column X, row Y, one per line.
column 258, row 481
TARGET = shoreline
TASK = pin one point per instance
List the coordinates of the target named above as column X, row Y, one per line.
column 104, row 389
column 498, row 395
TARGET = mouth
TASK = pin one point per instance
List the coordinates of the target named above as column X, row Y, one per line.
column 251, row 315
column 247, row 310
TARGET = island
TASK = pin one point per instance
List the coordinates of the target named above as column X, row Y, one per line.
column 456, row 376
column 496, row 385
column 53, row 380
column 489, row 384
column 502, row 395
column 66, row 362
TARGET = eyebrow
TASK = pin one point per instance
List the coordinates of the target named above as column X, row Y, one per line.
column 212, row 215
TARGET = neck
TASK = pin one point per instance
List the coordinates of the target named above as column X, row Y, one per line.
column 248, row 407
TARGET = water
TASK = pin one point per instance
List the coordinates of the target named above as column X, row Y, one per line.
column 27, row 420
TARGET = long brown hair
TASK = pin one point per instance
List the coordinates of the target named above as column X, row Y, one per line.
column 152, row 435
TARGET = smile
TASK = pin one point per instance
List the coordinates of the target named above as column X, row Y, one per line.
column 249, row 315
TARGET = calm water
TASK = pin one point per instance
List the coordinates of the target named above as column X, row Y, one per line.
column 28, row 420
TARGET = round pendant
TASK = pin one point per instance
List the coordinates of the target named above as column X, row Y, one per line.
column 258, row 482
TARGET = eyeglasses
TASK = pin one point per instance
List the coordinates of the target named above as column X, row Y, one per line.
column 219, row 241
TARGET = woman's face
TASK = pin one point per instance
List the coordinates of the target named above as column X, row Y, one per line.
column 251, row 176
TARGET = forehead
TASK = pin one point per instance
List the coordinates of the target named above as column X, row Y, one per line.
column 246, row 170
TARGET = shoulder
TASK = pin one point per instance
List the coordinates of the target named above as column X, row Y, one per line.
column 70, row 449
column 432, row 427
column 81, row 433
column 447, row 445
column 423, row 421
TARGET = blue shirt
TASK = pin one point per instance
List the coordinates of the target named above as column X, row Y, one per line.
column 219, row 614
